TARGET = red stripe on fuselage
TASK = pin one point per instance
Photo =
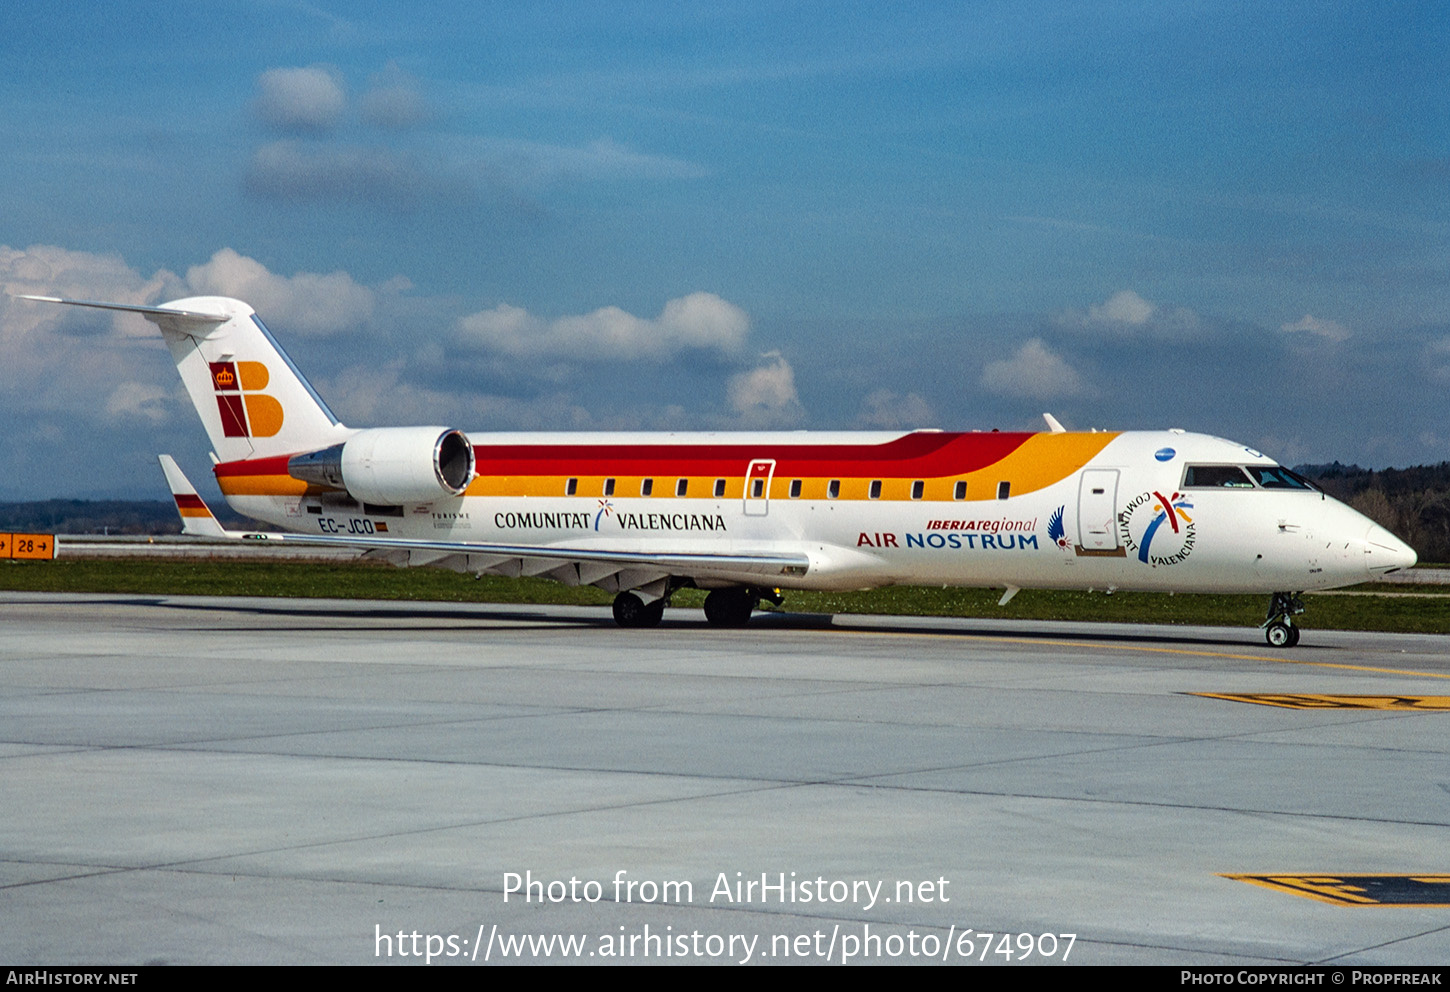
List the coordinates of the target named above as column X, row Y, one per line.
column 276, row 465
column 932, row 455
column 920, row 455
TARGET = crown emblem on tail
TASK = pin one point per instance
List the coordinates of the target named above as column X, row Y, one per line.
column 245, row 410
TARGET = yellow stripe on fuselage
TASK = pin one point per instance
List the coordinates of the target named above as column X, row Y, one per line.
column 1041, row 461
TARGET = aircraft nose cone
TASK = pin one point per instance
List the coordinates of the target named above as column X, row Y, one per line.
column 1385, row 553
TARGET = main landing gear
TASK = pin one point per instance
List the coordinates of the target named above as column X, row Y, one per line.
column 632, row 611
column 723, row 607
column 732, row 607
column 1279, row 629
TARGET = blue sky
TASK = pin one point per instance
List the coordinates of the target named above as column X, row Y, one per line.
column 1228, row 217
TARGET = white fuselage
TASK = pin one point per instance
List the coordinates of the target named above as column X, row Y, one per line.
column 1101, row 524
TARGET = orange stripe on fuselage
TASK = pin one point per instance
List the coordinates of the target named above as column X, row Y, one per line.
column 1043, row 460
column 1028, row 461
column 258, row 477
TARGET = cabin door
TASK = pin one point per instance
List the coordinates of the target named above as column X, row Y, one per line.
column 1097, row 510
column 757, row 486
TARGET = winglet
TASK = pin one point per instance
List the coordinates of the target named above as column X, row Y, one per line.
column 196, row 517
column 1053, row 425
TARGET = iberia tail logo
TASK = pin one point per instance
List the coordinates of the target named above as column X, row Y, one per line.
column 244, row 409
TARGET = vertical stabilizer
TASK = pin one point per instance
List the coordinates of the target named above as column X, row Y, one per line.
column 252, row 400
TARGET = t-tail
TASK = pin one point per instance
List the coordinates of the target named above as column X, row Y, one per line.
column 252, row 400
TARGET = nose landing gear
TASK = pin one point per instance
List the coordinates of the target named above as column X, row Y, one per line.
column 1278, row 626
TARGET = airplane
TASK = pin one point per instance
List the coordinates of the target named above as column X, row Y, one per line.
column 747, row 515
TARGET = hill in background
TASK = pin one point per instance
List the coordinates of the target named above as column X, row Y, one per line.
column 105, row 516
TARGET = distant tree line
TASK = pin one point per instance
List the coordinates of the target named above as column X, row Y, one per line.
column 1413, row 502
column 102, row 516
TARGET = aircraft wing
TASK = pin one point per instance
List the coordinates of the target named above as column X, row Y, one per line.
column 612, row 570
column 421, row 552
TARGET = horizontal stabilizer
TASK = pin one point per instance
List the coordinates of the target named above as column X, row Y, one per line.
column 190, row 316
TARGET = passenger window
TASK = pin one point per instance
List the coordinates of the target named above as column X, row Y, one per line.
column 1215, row 477
column 875, row 489
column 682, row 486
column 647, row 487
column 960, row 492
column 571, row 487
column 609, row 487
column 833, row 489
column 719, row 488
column 757, row 488
column 917, row 489
column 795, row 489
column 1004, row 489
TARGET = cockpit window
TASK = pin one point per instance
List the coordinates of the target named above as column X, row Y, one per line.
column 1278, row 477
column 1216, row 477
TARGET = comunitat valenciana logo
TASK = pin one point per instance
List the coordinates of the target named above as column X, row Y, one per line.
column 606, row 509
column 1157, row 529
column 244, row 409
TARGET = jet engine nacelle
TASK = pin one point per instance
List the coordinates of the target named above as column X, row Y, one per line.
column 392, row 466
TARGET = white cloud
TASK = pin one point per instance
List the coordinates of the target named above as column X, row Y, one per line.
column 1124, row 306
column 884, row 408
column 1125, row 314
column 1035, row 372
column 767, row 394
column 1436, row 363
column 394, row 102
column 310, row 99
column 382, row 394
column 532, row 163
column 1327, row 329
column 46, row 270
column 80, row 363
column 139, row 399
column 308, row 170
column 699, row 322
column 307, row 303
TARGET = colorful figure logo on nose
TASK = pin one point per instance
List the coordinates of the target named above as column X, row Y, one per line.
column 1140, row 526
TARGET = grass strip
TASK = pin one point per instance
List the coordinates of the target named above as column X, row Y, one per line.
column 195, row 577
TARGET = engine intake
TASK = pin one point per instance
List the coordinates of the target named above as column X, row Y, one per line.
column 392, row 465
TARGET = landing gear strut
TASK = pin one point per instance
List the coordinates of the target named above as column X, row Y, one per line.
column 632, row 611
column 1279, row 629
